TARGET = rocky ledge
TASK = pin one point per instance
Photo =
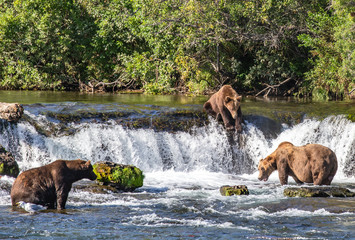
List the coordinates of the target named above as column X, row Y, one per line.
column 318, row 192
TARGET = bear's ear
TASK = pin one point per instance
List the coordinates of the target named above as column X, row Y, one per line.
column 228, row 99
column 88, row 163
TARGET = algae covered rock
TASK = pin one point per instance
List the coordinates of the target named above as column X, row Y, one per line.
column 119, row 176
column 318, row 192
column 234, row 190
column 8, row 165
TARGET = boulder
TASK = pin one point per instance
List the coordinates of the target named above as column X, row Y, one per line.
column 11, row 112
column 119, row 176
column 318, row 192
column 234, row 190
column 8, row 165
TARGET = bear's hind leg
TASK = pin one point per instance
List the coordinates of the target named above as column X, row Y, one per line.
column 319, row 179
column 328, row 180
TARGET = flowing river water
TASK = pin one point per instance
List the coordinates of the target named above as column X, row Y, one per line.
column 184, row 167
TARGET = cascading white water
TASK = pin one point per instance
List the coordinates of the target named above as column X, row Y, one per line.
column 205, row 148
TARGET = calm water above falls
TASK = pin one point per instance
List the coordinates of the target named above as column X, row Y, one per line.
column 184, row 170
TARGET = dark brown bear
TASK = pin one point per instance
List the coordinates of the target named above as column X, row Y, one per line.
column 225, row 104
column 49, row 185
column 311, row 163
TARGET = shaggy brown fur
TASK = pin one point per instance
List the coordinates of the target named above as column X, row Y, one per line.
column 311, row 163
column 49, row 185
column 225, row 104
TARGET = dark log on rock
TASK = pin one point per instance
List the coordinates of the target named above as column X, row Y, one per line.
column 234, row 190
column 11, row 112
column 8, row 165
column 119, row 176
column 318, row 192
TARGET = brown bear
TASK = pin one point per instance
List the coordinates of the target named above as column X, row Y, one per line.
column 311, row 163
column 49, row 185
column 225, row 104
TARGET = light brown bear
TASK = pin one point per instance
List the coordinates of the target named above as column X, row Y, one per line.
column 311, row 163
column 225, row 104
column 49, row 185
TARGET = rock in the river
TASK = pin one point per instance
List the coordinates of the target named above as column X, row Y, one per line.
column 318, row 192
column 93, row 188
column 234, row 190
column 119, row 176
column 8, row 165
column 11, row 112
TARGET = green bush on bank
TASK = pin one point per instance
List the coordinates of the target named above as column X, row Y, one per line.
column 178, row 46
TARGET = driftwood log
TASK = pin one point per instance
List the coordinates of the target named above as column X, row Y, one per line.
column 11, row 112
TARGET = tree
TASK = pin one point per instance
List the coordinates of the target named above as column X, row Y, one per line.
column 331, row 40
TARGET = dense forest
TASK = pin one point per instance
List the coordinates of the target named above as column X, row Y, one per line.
column 260, row 47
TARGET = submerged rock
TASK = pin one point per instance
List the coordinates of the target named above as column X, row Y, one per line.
column 94, row 188
column 11, row 112
column 119, row 176
column 318, row 192
column 234, row 190
column 8, row 165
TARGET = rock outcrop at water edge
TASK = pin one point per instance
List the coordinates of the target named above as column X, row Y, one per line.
column 119, row 176
column 318, row 192
column 11, row 112
column 234, row 190
column 8, row 165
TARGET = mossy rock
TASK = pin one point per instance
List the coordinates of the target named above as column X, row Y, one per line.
column 318, row 192
column 351, row 117
column 234, row 190
column 119, row 176
column 8, row 165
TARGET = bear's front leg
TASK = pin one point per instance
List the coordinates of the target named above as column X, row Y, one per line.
column 282, row 169
column 227, row 120
column 61, row 201
column 283, row 178
column 62, row 196
column 238, row 121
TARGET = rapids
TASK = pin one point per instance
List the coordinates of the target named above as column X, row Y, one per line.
column 183, row 172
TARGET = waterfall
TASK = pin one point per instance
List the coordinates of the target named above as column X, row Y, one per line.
column 208, row 147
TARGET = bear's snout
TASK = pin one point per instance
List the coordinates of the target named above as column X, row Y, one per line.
column 92, row 176
column 263, row 179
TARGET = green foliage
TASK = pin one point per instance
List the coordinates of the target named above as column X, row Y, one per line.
column 178, row 45
column 331, row 40
column 351, row 117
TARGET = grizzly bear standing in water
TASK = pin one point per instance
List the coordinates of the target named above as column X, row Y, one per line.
column 225, row 104
column 312, row 163
column 49, row 185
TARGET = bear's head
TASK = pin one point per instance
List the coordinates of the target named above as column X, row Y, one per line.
column 233, row 104
column 266, row 167
column 86, row 170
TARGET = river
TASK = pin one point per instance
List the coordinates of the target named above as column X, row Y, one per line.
column 186, row 157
